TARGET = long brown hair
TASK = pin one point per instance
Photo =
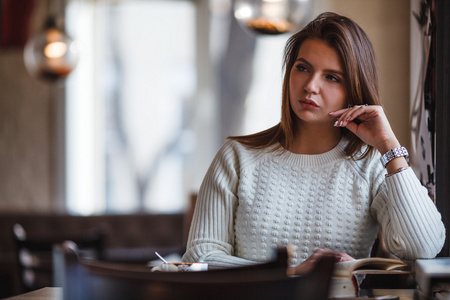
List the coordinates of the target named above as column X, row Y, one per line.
column 358, row 57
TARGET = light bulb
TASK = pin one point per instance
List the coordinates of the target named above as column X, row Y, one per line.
column 51, row 54
column 272, row 16
column 55, row 50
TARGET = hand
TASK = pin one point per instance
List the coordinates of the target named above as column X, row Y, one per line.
column 310, row 263
column 370, row 124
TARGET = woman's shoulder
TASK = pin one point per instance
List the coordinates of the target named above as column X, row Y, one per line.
column 232, row 150
column 237, row 147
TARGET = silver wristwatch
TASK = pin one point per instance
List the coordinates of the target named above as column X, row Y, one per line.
column 393, row 153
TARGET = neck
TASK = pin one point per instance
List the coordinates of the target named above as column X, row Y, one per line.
column 315, row 139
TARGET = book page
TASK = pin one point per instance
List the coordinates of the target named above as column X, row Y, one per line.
column 375, row 264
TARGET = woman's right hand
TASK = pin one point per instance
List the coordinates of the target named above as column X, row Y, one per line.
column 311, row 261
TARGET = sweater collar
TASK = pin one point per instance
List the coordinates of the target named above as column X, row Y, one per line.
column 311, row 160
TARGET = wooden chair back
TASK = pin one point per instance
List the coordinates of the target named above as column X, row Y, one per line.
column 90, row 279
column 34, row 254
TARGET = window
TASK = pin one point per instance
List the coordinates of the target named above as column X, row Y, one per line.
column 263, row 103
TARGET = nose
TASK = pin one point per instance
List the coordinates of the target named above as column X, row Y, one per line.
column 312, row 86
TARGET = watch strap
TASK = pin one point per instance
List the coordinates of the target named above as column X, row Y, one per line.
column 393, row 153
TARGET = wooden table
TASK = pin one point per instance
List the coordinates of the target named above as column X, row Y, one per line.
column 48, row 293
column 56, row 293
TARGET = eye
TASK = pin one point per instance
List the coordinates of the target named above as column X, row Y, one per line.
column 333, row 78
column 301, row 68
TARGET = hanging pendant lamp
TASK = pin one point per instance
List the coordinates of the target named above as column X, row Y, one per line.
column 272, row 17
column 50, row 54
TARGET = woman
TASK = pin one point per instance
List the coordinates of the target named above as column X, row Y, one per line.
column 315, row 180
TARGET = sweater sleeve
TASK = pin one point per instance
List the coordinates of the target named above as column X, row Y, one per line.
column 211, row 236
column 410, row 222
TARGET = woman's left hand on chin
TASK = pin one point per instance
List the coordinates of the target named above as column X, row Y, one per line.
column 369, row 123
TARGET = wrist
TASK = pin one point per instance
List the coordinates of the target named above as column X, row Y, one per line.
column 401, row 169
column 388, row 145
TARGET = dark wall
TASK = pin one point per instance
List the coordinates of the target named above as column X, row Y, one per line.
column 442, row 93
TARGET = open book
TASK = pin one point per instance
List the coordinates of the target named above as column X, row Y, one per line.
column 345, row 282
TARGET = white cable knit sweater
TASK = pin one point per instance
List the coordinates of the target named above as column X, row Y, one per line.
column 254, row 200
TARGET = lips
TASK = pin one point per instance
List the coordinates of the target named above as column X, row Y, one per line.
column 308, row 104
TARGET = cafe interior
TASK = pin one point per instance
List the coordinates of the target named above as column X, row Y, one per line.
column 104, row 140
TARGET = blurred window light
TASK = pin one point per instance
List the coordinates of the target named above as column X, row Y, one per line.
column 128, row 105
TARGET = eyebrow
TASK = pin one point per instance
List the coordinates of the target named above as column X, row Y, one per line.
column 327, row 70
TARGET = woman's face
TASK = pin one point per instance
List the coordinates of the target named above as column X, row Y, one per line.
column 317, row 83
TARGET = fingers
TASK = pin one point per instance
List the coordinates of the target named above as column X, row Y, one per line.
column 345, row 257
column 340, row 256
column 347, row 115
column 319, row 253
column 311, row 261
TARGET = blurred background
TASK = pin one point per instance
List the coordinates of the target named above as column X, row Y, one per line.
column 158, row 86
